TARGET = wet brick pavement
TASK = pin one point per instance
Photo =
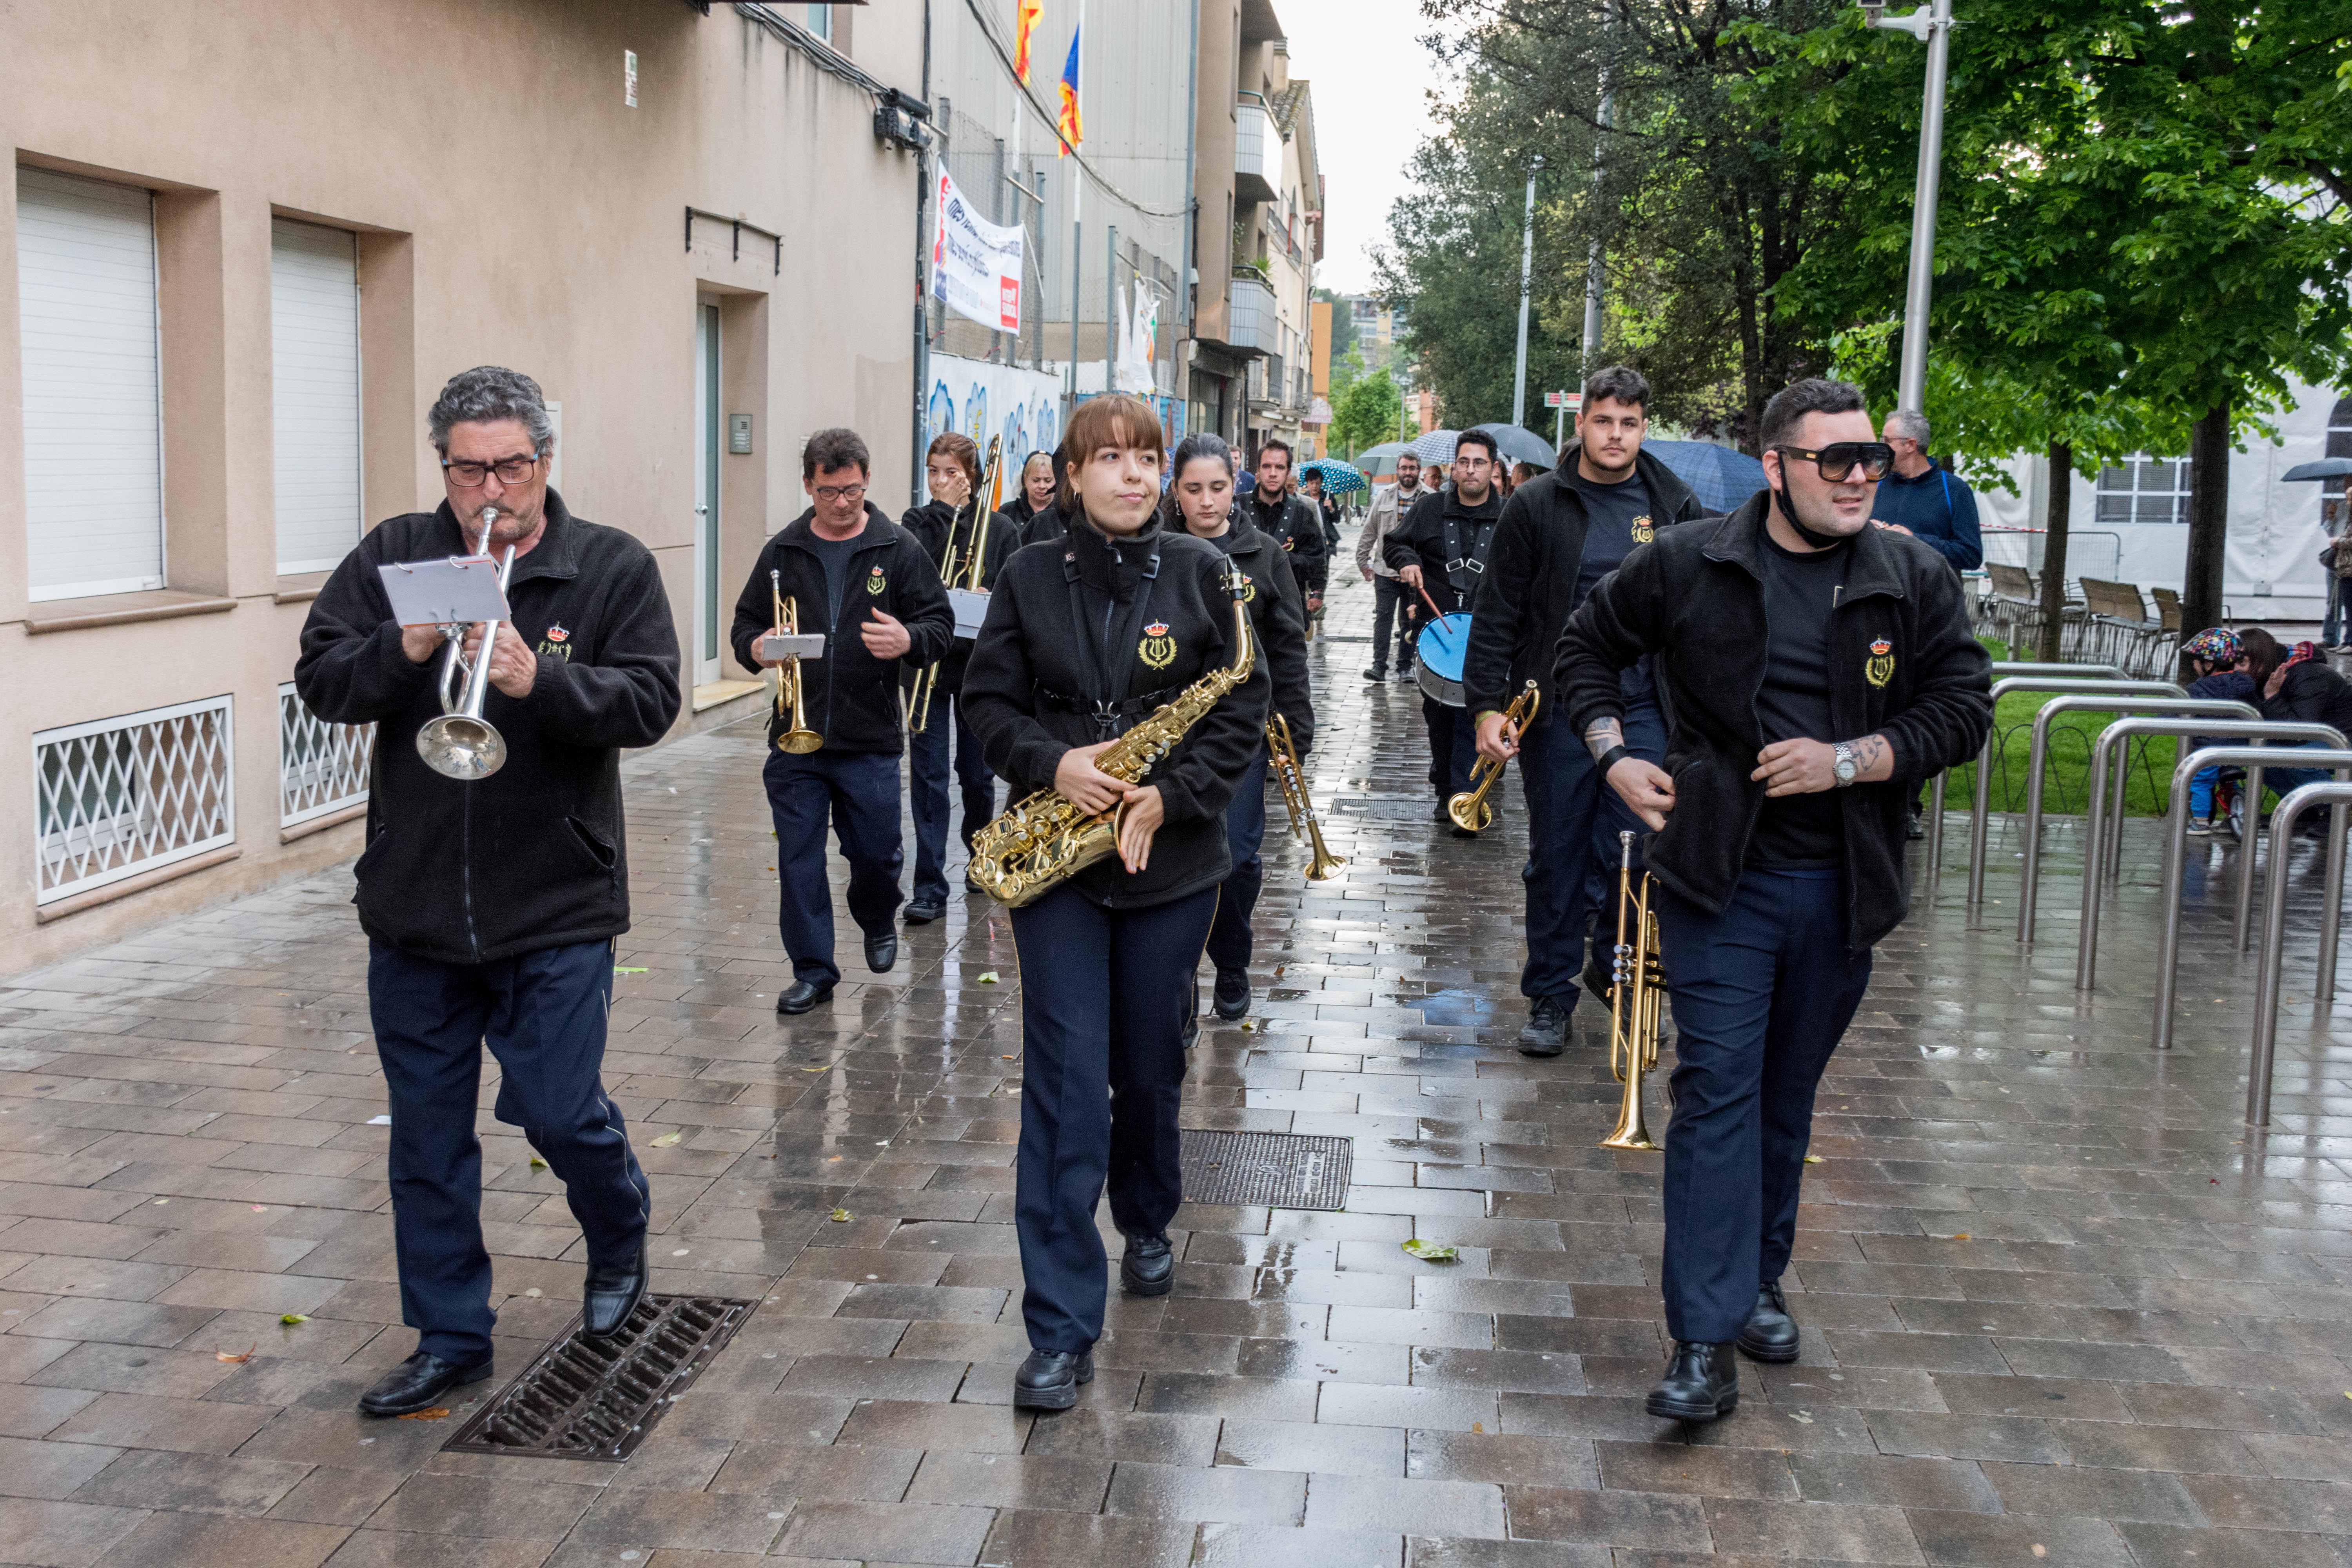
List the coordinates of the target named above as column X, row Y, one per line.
column 2057, row 1307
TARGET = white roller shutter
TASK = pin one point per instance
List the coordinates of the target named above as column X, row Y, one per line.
column 93, row 430
column 314, row 361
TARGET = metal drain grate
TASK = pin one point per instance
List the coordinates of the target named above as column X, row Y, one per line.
column 596, row 1399
column 1275, row 1170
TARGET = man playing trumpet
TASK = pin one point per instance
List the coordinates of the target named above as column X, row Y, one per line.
column 490, row 906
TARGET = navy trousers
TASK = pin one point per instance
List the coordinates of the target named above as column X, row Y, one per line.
column 858, row 790
column 1453, row 747
column 1573, row 820
column 1761, row 995
column 1104, row 996
column 542, row 1015
column 927, row 779
column 1229, row 933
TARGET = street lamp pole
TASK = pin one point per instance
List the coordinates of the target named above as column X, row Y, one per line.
column 1932, row 23
column 1526, row 282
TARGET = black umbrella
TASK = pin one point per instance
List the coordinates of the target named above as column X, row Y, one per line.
column 2326, row 469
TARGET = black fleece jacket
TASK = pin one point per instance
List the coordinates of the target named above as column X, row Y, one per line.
column 1297, row 525
column 1522, row 603
column 928, row 523
column 1026, row 695
column 1277, row 609
column 2314, row 694
column 1418, row 540
column 851, row 698
column 1694, row 597
column 535, row 855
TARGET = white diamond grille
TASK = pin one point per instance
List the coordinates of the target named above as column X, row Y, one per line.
column 321, row 767
column 119, row 796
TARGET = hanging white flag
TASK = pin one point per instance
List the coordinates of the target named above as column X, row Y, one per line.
column 1139, row 341
column 976, row 265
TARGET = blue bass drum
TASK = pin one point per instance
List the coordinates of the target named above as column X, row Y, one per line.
column 1443, row 644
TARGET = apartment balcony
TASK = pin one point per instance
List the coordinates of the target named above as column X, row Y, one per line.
column 1257, row 152
column 1251, row 324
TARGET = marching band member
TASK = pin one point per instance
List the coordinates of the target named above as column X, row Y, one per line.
column 1290, row 520
column 490, row 905
column 1041, row 481
column 1813, row 669
column 1034, row 493
column 1081, row 643
column 1200, row 501
column 951, row 517
column 1559, row 536
column 1441, row 550
column 869, row 586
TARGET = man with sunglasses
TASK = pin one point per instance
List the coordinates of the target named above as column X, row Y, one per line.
column 1813, row 669
column 490, row 904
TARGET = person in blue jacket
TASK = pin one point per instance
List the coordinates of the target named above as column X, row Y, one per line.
column 1929, row 502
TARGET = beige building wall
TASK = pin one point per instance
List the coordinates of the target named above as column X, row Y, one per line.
column 510, row 208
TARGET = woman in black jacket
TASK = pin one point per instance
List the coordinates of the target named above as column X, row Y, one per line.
column 2297, row 686
column 1082, row 641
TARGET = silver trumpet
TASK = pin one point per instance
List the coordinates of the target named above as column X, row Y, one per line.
column 461, row 744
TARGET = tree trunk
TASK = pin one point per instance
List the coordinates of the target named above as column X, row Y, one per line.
column 2053, row 550
column 2209, row 519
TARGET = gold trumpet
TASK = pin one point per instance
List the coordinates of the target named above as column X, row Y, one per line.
column 1323, row 865
column 798, row 738
column 1637, row 995
column 969, row 565
column 1469, row 809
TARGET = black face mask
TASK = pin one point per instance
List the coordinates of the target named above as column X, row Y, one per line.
column 1818, row 541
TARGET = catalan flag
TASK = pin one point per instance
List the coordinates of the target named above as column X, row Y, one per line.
column 1026, row 16
column 1072, row 133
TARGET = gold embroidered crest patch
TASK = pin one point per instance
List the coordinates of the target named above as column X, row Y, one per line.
column 1642, row 531
column 1881, row 668
column 876, row 583
column 1249, row 588
column 1158, row 648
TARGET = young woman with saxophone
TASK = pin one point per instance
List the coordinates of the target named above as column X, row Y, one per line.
column 1083, row 643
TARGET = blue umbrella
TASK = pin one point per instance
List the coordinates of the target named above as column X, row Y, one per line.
column 1339, row 478
column 1721, row 477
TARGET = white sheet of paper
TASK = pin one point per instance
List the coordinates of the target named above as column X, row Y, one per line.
column 783, row 645
column 450, row 591
column 971, row 608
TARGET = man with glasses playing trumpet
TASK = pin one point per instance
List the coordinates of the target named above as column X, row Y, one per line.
column 842, row 571
column 1813, row 670
column 492, row 886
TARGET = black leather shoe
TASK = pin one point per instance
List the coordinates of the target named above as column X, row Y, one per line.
column 611, row 1295
column 1702, row 1382
column 1770, row 1334
column 418, row 1384
column 923, row 911
column 1191, row 1035
column 1148, row 1268
column 801, row 995
column 882, row 952
column 1545, row 1034
column 1440, row 814
column 1233, row 994
column 1376, row 673
column 1049, row 1380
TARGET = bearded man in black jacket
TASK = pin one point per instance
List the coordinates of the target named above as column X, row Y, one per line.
column 1813, row 669
column 490, row 905
column 1277, row 511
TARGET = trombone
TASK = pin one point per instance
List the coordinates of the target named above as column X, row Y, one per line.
column 1323, row 865
column 969, row 564
column 798, row 738
column 1469, row 809
column 1637, row 995
column 461, row 744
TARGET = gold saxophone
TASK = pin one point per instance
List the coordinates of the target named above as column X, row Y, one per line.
column 1043, row 840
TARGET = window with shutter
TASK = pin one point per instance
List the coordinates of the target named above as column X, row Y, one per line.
column 314, row 399
column 93, row 424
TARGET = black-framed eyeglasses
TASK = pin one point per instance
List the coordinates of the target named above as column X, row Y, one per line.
column 509, row 471
column 835, row 493
column 1838, row 460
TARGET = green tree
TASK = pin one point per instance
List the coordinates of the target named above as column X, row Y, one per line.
column 1366, row 414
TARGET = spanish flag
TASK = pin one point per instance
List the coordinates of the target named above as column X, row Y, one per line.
column 1072, row 131
column 1026, row 16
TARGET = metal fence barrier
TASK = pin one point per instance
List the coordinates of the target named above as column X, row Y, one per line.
column 2337, row 794
column 2175, row 849
column 2002, row 669
column 2029, row 892
column 1980, row 812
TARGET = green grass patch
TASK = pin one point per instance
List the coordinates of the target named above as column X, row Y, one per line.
column 2066, row 769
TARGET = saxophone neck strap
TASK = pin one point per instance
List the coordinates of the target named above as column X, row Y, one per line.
column 1110, row 718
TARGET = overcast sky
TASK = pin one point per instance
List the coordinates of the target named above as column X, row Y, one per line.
column 1369, row 73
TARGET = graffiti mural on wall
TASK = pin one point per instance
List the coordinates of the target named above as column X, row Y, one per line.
column 983, row 400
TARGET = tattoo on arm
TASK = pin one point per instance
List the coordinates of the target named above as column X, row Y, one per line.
column 1869, row 751
column 1601, row 735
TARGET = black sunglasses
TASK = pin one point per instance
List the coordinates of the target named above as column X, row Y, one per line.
column 1838, row 460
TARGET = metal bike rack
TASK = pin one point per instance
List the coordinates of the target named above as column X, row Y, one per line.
column 1980, row 814
column 2002, row 669
column 2030, row 892
column 2266, row 977
column 2175, row 849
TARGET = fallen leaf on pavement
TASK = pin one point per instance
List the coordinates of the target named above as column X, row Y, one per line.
column 988, row 977
column 1813, row 1158
column 291, row 1319
column 536, row 1164
column 667, row 1139
column 842, row 1217
column 1432, row 1252
column 437, row 1413
column 223, row 1355
column 617, row 970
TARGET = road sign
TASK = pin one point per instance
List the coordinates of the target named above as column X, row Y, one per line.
column 1571, row 401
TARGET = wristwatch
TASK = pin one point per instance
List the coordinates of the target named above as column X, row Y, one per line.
column 1846, row 767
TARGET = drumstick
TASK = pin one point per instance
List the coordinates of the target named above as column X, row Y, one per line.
column 1433, row 610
